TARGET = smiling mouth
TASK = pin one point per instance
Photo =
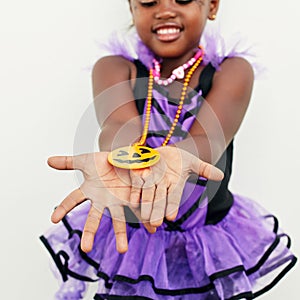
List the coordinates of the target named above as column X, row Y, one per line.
column 164, row 31
column 168, row 33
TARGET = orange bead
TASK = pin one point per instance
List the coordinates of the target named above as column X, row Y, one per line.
column 180, row 103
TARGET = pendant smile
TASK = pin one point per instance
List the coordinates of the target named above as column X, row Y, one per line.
column 137, row 161
column 134, row 157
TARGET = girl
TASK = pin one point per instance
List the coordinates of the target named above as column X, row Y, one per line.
column 162, row 221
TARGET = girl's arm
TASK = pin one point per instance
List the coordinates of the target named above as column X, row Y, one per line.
column 222, row 112
column 113, row 78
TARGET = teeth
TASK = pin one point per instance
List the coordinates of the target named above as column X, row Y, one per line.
column 168, row 30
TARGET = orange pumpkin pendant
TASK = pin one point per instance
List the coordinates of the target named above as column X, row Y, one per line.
column 133, row 157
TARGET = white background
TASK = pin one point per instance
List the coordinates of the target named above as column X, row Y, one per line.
column 46, row 50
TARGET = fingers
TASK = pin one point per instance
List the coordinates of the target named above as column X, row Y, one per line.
column 90, row 229
column 136, row 189
column 148, row 194
column 151, row 229
column 174, row 197
column 119, row 224
column 71, row 201
column 142, row 191
column 147, row 225
column 159, row 205
column 67, row 162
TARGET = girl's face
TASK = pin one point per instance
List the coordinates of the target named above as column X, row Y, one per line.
column 172, row 28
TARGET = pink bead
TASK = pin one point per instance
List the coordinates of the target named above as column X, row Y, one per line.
column 198, row 54
column 179, row 72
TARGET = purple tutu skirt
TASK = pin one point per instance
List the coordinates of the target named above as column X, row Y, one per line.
column 241, row 257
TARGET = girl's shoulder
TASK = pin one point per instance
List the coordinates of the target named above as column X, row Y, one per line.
column 234, row 72
column 111, row 70
column 115, row 64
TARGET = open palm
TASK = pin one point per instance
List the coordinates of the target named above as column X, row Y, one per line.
column 106, row 187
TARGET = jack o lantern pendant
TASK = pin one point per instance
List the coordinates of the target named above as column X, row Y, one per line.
column 133, row 157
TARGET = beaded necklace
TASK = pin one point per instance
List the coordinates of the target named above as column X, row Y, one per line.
column 138, row 156
column 177, row 73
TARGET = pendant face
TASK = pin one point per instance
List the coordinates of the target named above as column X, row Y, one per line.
column 133, row 157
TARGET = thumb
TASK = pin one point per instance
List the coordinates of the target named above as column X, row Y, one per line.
column 207, row 170
column 67, row 162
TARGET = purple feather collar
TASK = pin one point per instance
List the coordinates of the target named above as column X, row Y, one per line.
column 130, row 46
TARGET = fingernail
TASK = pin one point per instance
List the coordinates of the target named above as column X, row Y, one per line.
column 172, row 215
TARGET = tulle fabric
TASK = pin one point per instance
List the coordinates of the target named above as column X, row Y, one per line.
column 239, row 258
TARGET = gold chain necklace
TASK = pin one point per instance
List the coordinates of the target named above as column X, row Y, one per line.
column 138, row 156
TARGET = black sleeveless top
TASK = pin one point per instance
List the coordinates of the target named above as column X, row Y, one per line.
column 221, row 201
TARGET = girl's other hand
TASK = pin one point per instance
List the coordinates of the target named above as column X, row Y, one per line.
column 105, row 187
column 160, row 187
